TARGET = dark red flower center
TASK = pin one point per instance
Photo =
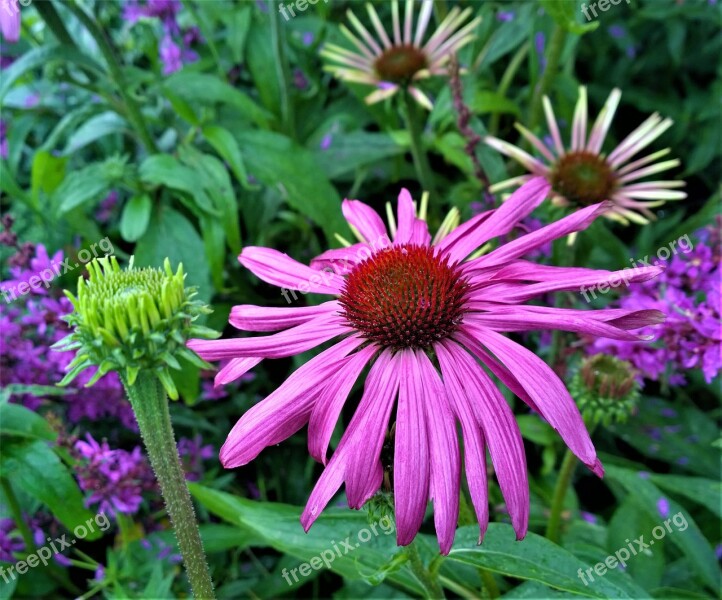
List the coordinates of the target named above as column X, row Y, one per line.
column 399, row 64
column 404, row 297
column 583, row 178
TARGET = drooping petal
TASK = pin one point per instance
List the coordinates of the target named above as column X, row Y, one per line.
column 278, row 345
column 328, row 407
column 541, row 383
column 411, row 455
column 365, row 219
column 521, row 203
column 248, row 317
column 501, row 432
column 236, row 367
column 474, row 444
column 444, row 454
column 279, row 269
column 285, row 410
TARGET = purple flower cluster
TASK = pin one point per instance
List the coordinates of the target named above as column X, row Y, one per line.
column 31, row 324
column 175, row 48
column 10, row 541
column 116, row 478
column 193, row 453
column 688, row 292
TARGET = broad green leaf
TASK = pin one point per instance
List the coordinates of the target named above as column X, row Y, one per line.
column 277, row 161
column 93, row 129
column 171, row 234
column 356, row 149
column 47, row 172
column 685, row 533
column 534, row 558
column 262, row 63
column 10, row 186
column 487, row 101
column 277, row 525
column 39, row 57
column 166, row 170
column 80, row 187
column 225, row 144
column 18, row 421
column 706, row 492
column 135, row 218
column 201, row 88
column 34, row 468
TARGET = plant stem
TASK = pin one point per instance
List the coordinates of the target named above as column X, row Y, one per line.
column 421, row 161
column 506, row 81
column 54, row 22
column 432, row 589
column 17, row 514
column 150, row 405
column 560, row 493
column 133, row 111
column 554, row 53
column 282, row 73
column 489, row 582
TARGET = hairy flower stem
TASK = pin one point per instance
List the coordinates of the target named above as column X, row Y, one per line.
column 150, row 404
column 432, row 589
column 560, row 493
column 554, row 53
column 421, row 161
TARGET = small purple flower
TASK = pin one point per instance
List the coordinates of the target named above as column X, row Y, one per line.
column 589, row 517
column 616, row 31
column 670, row 413
column 539, row 44
column 663, row 507
column 643, row 474
column 170, row 55
column 3, row 139
column 32, row 100
column 505, row 16
column 326, row 141
column 193, row 453
column 106, row 207
column 9, row 542
column 299, row 79
column 307, row 38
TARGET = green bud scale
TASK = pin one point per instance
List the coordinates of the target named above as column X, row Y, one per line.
column 605, row 389
column 132, row 320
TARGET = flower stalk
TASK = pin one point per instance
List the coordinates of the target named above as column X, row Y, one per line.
column 150, row 405
column 414, row 127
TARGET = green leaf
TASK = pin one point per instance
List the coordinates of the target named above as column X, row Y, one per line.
column 87, row 184
column 261, row 63
column 535, row 558
column 35, row 469
column 225, row 144
column 166, row 170
column 47, row 172
column 354, row 150
column 564, row 13
column 135, row 218
column 706, row 492
column 93, row 129
column 171, row 234
column 488, row 101
column 276, row 160
column 686, row 536
column 18, row 421
column 197, row 88
column 277, row 525
column 39, row 57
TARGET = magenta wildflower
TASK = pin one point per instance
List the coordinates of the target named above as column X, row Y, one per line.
column 423, row 316
column 10, row 20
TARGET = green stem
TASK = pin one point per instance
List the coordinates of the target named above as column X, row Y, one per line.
column 560, row 493
column 421, row 161
column 282, row 73
column 489, row 582
column 17, row 515
column 432, row 589
column 150, row 405
column 506, row 81
column 554, row 53
column 116, row 73
column 54, row 22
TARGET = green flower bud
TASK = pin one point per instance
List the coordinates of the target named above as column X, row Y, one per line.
column 132, row 320
column 605, row 389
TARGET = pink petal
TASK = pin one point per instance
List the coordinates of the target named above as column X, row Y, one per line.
column 411, row 455
column 444, row 450
column 286, row 343
column 10, row 21
column 328, row 407
column 546, row 389
column 521, row 203
column 365, row 219
column 341, row 261
column 284, row 411
column 281, row 270
column 236, row 367
column 501, row 432
column 406, row 214
column 248, row 317
column 474, row 448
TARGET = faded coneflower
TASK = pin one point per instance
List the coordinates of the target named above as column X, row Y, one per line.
column 394, row 64
column 583, row 175
column 421, row 315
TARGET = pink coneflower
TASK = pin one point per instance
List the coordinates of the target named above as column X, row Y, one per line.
column 426, row 319
column 584, row 175
column 394, row 64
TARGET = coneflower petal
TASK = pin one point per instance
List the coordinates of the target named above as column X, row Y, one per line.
column 365, row 219
column 248, row 317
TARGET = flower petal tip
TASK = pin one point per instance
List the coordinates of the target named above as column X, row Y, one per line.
column 597, row 468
